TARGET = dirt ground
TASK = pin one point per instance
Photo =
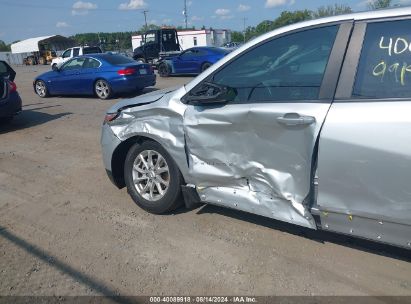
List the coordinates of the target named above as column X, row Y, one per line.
column 66, row 230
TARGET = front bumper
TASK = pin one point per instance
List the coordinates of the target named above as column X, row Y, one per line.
column 109, row 143
column 11, row 105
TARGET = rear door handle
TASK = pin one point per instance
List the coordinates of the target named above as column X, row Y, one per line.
column 294, row 119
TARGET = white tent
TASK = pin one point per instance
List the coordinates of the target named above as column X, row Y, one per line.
column 57, row 43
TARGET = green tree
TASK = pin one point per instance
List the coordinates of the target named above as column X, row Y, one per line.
column 287, row 18
column 377, row 4
column 331, row 10
column 237, row 36
column 4, row 47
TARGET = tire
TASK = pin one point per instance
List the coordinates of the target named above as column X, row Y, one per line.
column 102, row 89
column 42, row 61
column 164, row 69
column 41, row 88
column 142, row 60
column 149, row 197
column 53, row 66
column 205, row 66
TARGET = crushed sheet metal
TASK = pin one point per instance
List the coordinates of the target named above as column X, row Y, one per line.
column 162, row 123
column 233, row 164
column 257, row 203
column 244, row 148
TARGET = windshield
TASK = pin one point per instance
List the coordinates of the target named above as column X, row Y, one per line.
column 118, row 59
column 91, row 50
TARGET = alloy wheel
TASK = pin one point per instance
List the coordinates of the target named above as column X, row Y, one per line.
column 41, row 89
column 102, row 89
column 151, row 175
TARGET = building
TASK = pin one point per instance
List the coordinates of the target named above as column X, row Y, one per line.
column 191, row 38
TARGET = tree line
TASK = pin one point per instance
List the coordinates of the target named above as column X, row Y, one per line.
column 122, row 40
column 290, row 17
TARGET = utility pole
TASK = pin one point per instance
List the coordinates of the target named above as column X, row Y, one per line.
column 185, row 12
column 145, row 18
column 244, row 19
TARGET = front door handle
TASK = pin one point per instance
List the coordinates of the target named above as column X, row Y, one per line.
column 294, row 119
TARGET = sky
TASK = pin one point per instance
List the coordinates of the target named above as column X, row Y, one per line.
column 22, row 19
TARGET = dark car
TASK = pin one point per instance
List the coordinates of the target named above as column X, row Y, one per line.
column 101, row 74
column 191, row 61
column 10, row 101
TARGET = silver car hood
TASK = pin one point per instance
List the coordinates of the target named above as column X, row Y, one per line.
column 141, row 100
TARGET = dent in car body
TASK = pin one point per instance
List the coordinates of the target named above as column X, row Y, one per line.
column 227, row 155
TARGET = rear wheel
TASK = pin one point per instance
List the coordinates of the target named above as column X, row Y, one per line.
column 41, row 89
column 102, row 89
column 205, row 66
column 164, row 69
column 152, row 178
column 42, row 61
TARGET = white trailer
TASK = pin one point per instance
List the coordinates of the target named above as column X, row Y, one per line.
column 192, row 38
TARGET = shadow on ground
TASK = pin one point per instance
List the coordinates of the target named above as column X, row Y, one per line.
column 54, row 262
column 319, row 236
column 116, row 96
column 30, row 118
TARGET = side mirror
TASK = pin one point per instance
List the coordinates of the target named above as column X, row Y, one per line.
column 210, row 93
column 55, row 68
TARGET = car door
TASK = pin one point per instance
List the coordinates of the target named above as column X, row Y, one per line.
column 67, row 80
column 364, row 164
column 6, row 71
column 185, row 62
column 255, row 152
column 88, row 74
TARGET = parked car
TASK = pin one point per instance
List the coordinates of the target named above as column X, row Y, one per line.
column 101, row 74
column 10, row 101
column 74, row 52
column 191, row 61
column 308, row 124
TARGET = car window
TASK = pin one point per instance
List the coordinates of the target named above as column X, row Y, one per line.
column 66, row 54
column 76, row 52
column 290, row 67
column 118, row 59
column 3, row 69
column 74, row 64
column 91, row 63
column 91, row 50
column 384, row 69
column 189, row 53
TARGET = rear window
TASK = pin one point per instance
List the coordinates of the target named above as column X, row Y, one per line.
column 384, row 70
column 91, row 50
column 219, row 51
column 2, row 88
column 118, row 59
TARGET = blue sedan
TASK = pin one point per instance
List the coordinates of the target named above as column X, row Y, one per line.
column 191, row 61
column 101, row 74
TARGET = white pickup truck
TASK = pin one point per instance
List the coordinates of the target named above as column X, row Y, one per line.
column 73, row 52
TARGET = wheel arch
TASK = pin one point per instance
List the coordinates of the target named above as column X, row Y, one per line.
column 45, row 83
column 203, row 64
column 97, row 79
column 119, row 157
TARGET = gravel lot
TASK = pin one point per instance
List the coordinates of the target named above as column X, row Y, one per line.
column 66, row 230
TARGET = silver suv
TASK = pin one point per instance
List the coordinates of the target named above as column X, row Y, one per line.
column 308, row 124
